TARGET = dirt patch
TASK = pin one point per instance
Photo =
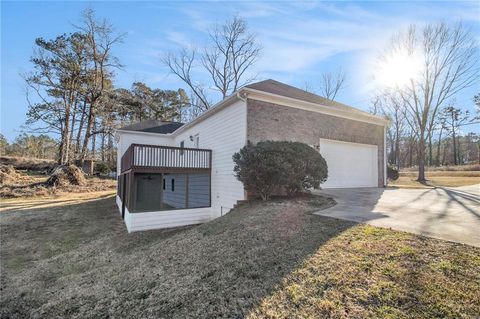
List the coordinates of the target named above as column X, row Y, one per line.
column 74, row 259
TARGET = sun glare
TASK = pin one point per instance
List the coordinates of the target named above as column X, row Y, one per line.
column 397, row 70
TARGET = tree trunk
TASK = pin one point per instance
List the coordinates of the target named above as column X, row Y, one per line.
column 94, row 142
column 103, row 147
column 454, row 147
column 421, row 161
column 438, row 147
column 80, row 130
column 421, row 156
column 430, row 150
column 60, row 152
column 88, row 132
column 397, row 148
column 445, row 147
column 66, row 137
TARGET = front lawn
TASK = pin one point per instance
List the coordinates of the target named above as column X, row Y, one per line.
column 264, row 260
column 437, row 179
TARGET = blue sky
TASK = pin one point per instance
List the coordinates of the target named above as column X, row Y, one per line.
column 300, row 40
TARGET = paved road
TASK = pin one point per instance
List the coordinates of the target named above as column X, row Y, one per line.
column 446, row 213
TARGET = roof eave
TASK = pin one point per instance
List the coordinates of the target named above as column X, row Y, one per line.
column 143, row 133
column 320, row 108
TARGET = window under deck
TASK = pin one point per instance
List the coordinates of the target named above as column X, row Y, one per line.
column 159, row 178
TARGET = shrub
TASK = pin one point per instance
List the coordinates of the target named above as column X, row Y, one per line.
column 102, row 168
column 268, row 165
column 392, row 172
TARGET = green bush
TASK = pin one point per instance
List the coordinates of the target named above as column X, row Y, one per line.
column 102, row 168
column 392, row 172
column 270, row 165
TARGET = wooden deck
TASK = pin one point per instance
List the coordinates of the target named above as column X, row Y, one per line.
column 152, row 158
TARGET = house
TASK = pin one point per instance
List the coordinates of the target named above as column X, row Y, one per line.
column 172, row 174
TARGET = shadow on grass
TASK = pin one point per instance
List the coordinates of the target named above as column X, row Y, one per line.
column 223, row 268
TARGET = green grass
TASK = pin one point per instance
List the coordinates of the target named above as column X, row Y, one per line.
column 378, row 273
column 262, row 260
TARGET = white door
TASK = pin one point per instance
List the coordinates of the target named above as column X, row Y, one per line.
column 350, row 164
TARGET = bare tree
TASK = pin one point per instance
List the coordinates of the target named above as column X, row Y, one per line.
column 448, row 54
column 454, row 118
column 331, row 83
column 181, row 64
column 232, row 51
column 441, row 127
column 396, row 130
column 101, row 39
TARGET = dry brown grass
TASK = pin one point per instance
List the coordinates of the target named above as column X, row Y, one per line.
column 70, row 258
column 35, row 184
column 467, row 167
column 438, row 179
column 26, row 163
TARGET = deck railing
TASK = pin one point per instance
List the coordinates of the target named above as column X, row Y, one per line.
column 165, row 157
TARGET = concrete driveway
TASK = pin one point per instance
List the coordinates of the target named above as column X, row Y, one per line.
column 446, row 213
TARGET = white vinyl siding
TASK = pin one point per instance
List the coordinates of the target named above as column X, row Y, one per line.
column 224, row 133
column 164, row 219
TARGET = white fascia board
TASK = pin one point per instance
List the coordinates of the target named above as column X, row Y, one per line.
column 313, row 107
column 119, row 131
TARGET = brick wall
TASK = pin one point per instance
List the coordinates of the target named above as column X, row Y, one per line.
column 267, row 121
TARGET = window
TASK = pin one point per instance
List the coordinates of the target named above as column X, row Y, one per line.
column 164, row 183
column 173, row 184
column 197, row 141
column 182, row 145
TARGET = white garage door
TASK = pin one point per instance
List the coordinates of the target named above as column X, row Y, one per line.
column 350, row 164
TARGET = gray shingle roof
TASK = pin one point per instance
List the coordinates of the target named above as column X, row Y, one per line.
column 282, row 89
column 153, row 126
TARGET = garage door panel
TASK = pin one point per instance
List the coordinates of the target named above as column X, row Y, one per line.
column 350, row 164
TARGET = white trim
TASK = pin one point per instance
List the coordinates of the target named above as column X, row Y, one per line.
column 346, row 142
column 314, row 107
column 142, row 133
